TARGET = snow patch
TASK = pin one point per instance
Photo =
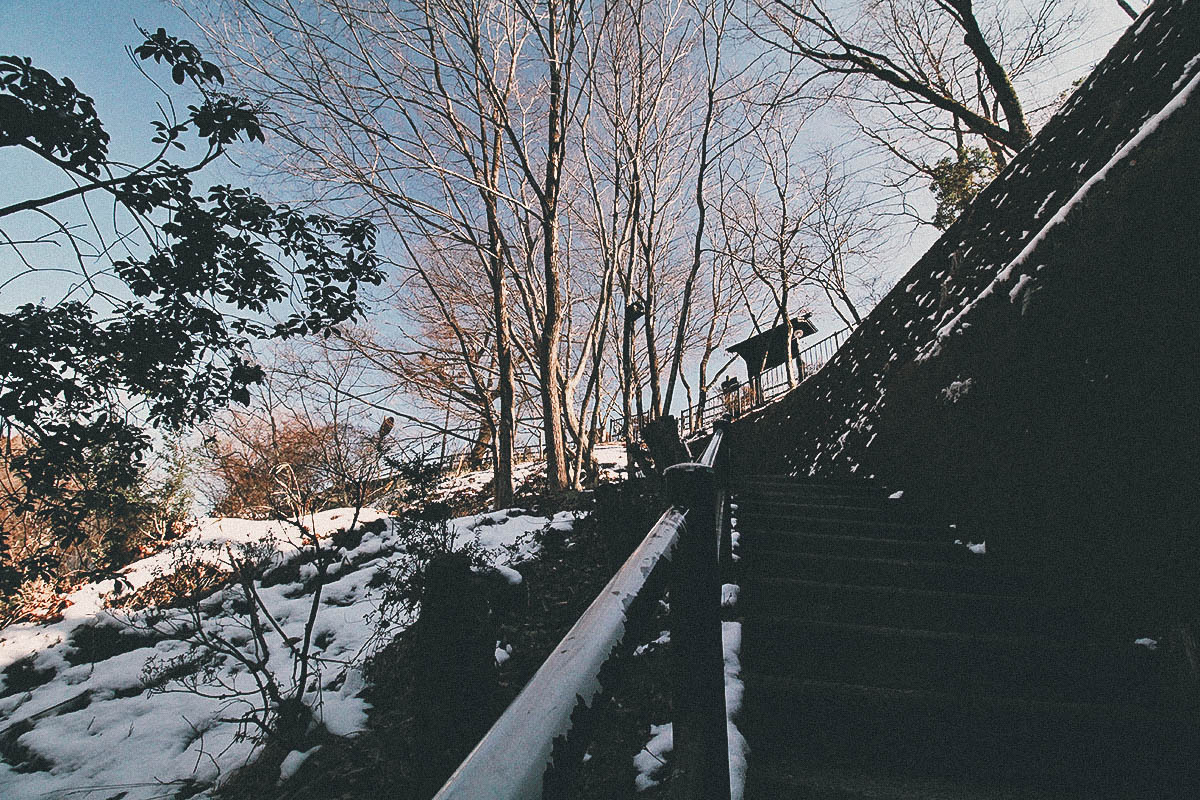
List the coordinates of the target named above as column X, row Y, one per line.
column 650, row 760
column 179, row 735
column 1187, row 72
column 1151, row 125
column 1017, row 290
column 509, row 574
column 293, row 761
column 663, row 638
column 739, row 750
column 956, row 391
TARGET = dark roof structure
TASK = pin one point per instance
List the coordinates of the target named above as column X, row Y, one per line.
column 765, row 350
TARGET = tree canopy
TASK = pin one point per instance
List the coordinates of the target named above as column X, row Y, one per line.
column 169, row 294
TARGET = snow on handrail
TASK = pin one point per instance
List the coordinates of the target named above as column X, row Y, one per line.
column 709, row 457
column 510, row 762
column 512, row 759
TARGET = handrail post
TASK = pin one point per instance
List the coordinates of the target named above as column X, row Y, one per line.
column 725, row 551
column 701, row 750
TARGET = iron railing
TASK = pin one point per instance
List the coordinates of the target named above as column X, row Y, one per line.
column 774, row 382
column 535, row 747
column 748, row 396
column 462, row 460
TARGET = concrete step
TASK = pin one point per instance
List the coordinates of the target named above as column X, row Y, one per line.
column 954, row 662
column 893, row 606
column 771, row 518
column 840, row 508
column 848, row 485
column 791, row 487
column 881, row 660
column 909, row 574
column 878, row 498
column 817, row 783
column 858, row 546
column 803, row 488
column 793, row 725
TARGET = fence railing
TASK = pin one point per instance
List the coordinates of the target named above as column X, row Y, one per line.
column 461, row 460
column 774, row 382
column 537, row 745
column 747, row 396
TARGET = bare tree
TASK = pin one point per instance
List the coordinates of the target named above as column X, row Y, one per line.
column 924, row 77
column 1128, row 9
column 766, row 215
column 453, row 121
column 635, row 155
column 742, row 86
column 845, row 234
column 716, row 20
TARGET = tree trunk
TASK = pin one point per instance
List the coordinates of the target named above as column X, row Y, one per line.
column 552, row 407
column 1006, row 95
column 662, row 438
column 627, row 388
column 676, row 364
column 789, row 366
column 502, row 490
column 552, row 394
column 656, row 406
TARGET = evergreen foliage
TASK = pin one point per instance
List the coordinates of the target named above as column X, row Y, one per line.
column 204, row 275
column 955, row 182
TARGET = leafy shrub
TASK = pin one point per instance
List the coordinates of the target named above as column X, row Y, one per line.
column 190, row 581
column 139, row 519
column 622, row 516
column 33, row 600
column 955, row 182
column 418, row 478
column 401, row 581
column 205, row 273
column 243, row 459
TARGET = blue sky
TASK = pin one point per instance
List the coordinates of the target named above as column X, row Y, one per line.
column 86, row 40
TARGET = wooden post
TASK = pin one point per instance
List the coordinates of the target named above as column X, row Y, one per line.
column 725, row 551
column 454, row 673
column 701, row 751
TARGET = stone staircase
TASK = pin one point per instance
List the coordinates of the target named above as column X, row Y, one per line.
column 883, row 660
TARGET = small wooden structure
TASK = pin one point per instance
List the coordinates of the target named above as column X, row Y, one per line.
column 769, row 349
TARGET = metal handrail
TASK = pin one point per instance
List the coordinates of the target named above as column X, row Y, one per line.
column 709, row 457
column 462, row 458
column 811, row 359
column 513, row 759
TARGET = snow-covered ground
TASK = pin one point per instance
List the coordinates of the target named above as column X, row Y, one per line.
column 609, row 457
column 94, row 731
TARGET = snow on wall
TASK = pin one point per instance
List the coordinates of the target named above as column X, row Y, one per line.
column 831, row 424
column 1005, row 275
